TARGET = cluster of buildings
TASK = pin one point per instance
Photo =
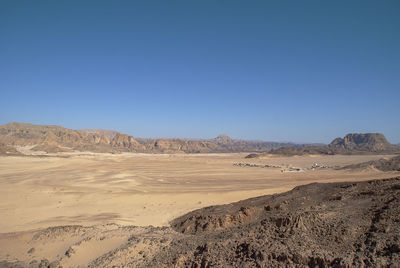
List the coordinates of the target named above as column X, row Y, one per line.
column 314, row 166
column 255, row 165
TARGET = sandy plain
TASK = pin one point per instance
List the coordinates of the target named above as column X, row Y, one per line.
column 146, row 189
column 98, row 203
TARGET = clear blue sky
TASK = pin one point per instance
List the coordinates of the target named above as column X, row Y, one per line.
column 302, row 71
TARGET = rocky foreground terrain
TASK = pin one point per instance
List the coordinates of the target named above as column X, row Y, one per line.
column 317, row 225
column 355, row 143
column 53, row 139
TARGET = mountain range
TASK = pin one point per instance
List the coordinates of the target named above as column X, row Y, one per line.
column 52, row 139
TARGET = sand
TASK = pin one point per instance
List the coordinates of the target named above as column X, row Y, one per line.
column 111, row 194
column 145, row 189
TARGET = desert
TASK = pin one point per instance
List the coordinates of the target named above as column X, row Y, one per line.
column 120, row 196
column 199, row 134
column 141, row 189
column 97, row 198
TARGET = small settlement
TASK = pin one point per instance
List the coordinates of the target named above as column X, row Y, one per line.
column 314, row 166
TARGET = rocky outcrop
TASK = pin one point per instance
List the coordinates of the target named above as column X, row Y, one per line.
column 369, row 142
column 316, row 225
column 8, row 150
column 126, row 142
column 24, row 134
column 349, row 224
column 98, row 139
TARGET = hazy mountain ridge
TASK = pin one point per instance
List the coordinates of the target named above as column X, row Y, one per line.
column 52, row 139
column 353, row 143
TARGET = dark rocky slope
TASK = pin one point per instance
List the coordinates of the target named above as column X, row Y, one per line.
column 317, row 225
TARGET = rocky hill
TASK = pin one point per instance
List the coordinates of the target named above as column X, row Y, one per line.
column 58, row 139
column 350, row 224
column 351, row 144
column 54, row 139
column 369, row 142
column 223, row 139
column 317, row 225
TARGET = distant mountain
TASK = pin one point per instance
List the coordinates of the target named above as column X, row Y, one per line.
column 299, row 150
column 52, row 139
column 223, row 139
column 59, row 139
column 354, row 143
column 370, row 142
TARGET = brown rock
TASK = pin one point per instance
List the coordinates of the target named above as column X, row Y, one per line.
column 126, row 142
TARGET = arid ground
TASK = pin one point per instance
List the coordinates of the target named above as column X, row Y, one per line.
column 146, row 189
column 131, row 189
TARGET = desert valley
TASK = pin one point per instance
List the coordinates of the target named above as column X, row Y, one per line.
column 199, row 134
column 78, row 198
